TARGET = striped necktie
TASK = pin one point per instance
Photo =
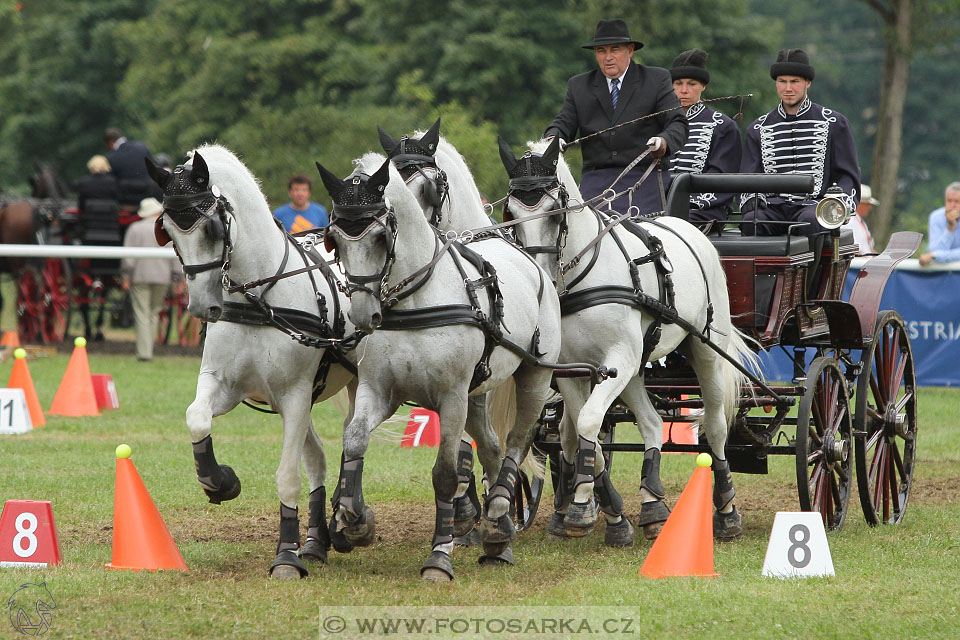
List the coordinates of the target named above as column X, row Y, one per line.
column 615, row 91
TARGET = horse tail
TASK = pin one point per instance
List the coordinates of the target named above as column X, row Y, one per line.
column 502, row 410
column 738, row 347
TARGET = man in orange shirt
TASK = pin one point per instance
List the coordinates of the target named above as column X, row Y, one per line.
column 300, row 214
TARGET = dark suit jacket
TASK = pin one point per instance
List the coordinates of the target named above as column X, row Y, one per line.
column 587, row 108
column 127, row 165
column 96, row 186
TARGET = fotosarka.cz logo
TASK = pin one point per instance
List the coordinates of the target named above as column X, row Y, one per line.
column 30, row 609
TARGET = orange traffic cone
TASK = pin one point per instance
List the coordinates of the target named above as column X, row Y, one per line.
column 141, row 540
column 76, row 397
column 20, row 379
column 685, row 545
column 10, row 339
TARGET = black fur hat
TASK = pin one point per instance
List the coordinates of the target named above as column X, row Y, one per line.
column 792, row 62
column 691, row 64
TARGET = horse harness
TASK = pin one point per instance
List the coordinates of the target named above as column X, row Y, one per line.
column 412, row 162
column 663, row 307
column 348, row 219
column 210, row 210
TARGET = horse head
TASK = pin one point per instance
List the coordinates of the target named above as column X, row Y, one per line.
column 363, row 232
column 534, row 192
column 415, row 160
column 196, row 219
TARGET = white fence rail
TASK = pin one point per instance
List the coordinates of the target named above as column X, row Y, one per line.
column 82, row 251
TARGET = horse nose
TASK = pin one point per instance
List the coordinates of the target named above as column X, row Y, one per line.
column 213, row 313
column 375, row 320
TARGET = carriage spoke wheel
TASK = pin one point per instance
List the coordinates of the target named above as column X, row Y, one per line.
column 886, row 422
column 28, row 305
column 824, row 444
column 55, row 298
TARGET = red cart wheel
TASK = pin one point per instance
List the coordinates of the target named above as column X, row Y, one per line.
column 55, row 293
column 886, row 422
column 28, row 305
column 824, row 443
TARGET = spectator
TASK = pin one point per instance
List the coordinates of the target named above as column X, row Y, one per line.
column 858, row 223
column 147, row 279
column 300, row 214
column 127, row 165
column 944, row 238
column 99, row 184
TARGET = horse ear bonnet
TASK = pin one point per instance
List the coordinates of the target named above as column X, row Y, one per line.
column 506, row 155
column 157, row 173
column 388, row 142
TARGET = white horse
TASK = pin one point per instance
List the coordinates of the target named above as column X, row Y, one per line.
column 224, row 233
column 438, row 176
column 605, row 321
column 443, row 327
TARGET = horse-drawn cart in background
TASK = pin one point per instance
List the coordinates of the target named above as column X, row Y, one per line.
column 852, row 399
column 51, row 292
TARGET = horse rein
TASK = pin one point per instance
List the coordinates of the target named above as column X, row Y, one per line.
column 185, row 212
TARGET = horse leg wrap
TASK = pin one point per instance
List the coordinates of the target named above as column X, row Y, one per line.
column 585, row 462
column 289, row 529
column 723, row 492
column 219, row 481
column 610, row 501
column 563, row 492
column 349, row 492
column 467, row 506
column 506, row 481
column 358, row 524
column 443, row 525
column 650, row 474
column 318, row 535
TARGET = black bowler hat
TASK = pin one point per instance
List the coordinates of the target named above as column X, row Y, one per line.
column 792, row 62
column 691, row 64
column 612, row 32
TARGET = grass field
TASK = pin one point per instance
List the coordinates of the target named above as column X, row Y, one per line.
column 891, row 582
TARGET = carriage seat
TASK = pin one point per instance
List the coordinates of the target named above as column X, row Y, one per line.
column 731, row 243
column 100, row 224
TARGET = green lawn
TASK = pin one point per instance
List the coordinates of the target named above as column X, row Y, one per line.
column 891, row 581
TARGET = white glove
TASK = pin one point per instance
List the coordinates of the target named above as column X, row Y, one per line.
column 656, row 142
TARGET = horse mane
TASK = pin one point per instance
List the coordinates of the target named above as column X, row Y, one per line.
column 370, row 162
column 563, row 170
column 396, row 191
column 471, row 193
column 231, row 176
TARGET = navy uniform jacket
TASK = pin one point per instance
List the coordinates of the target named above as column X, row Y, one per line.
column 815, row 141
column 713, row 146
column 587, row 108
column 127, row 165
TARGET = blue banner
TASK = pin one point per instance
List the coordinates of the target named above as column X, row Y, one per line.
column 929, row 302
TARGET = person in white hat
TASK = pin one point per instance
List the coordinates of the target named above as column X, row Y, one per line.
column 147, row 279
column 858, row 223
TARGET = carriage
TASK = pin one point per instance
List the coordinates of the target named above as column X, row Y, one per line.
column 52, row 292
column 852, row 399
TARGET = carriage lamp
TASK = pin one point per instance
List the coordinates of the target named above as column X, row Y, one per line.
column 832, row 211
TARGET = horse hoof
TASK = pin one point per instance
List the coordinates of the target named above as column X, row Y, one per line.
column 437, row 568
column 499, row 532
column 555, row 528
column 505, row 557
column 580, row 519
column 464, row 516
column 287, row 566
column 314, row 551
column 363, row 532
column 229, row 487
column 337, row 539
column 652, row 517
column 620, row 534
column 727, row 526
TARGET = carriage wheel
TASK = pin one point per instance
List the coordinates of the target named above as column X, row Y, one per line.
column 55, row 292
column 824, row 444
column 163, row 320
column 28, row 305
column 886, row 422
column 188, row 328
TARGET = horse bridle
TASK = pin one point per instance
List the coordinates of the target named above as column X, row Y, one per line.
column 361, row 219
column 187, row 212
column 436, row 189
column 544, row 185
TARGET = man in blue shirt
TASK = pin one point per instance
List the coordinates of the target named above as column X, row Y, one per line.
column 944, row 244
column 300, row 214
